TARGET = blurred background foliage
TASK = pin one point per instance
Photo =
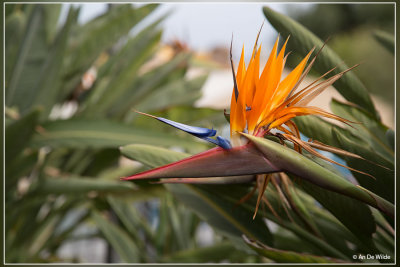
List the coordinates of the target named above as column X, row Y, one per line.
column 352, row 31
column 70, row 89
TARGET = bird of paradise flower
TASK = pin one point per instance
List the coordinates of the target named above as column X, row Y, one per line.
column 261, row 105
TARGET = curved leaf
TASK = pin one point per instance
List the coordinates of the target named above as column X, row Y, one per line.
column 385, row 39
column 49, row 82
column 224, row 215
column 368, row 129
column 121, row 77
column 80, row 185
column 152, row 156
column 180, row 92
column 27, row 68
column 383, row 184
column 351, row 213
column 213, row 253
column 349, row 85
column 18, row 135
column 102, row 32
column 118, row 238
column 14, row 30
column 81, row 133
column 283, row 256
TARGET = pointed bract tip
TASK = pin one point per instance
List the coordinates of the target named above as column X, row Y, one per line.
column 142, row 113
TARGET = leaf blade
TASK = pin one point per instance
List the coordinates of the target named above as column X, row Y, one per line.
column 349, row 85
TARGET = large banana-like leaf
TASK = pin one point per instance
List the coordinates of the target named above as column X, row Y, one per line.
column 349, row 85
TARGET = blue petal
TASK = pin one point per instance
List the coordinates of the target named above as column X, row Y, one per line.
column 220, row 141
column 196, row 131
column 203, row 133
column 224, row 143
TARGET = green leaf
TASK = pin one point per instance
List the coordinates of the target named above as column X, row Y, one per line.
column 334, row 135
column 368, row 128
column 321, row 130
column 129, row 52
column 283, row 256
column 131, row 220
column 81, row 185
column 180, row 92
column 118, row 238
column 383, row 184
column 152, row 156
column 21, row 166
column 14, row 29
column 42, row 234
column 390, row 138
column 155, row 79
column 213, row 253
column 385, row 39
column 291, row 161
column 80, row 133
column 223, row 214
column 51, row 14
column 31, row 56
column 48, row 84
column 335, row 232
column 121, row 73
column 351, row 213
column 18, row 135
column 349, row 85
column 101, row 33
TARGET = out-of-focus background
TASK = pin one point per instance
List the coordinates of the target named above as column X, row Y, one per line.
column 50, row 218
column 208, row 29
